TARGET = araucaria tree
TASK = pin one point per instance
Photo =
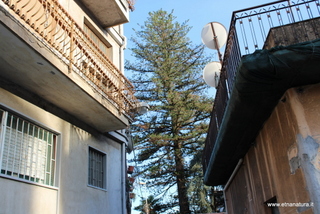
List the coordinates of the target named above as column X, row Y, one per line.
column 167, row 72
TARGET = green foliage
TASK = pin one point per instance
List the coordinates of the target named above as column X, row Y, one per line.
column 167, row 75
column 203, row 199
column 152, row 205
column 199, row 200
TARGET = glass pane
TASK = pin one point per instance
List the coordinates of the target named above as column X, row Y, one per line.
column 50, row 138
column 40, row 134
column 31, row 127
column 36, row 131
column 20, row 124
column 25, row 128
column 47, row 179
column 9, row 118
column 53, row 157
column 48, row 158
column 52, row 173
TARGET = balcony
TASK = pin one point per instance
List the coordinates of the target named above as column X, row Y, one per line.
column 109, row 12
column 234, row 125
column 43, row 51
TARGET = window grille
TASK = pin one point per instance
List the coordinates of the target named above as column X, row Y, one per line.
column 97, row 163
column 28, row 151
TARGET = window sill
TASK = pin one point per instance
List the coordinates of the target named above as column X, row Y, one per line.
column 27, row 182
column 98, row 188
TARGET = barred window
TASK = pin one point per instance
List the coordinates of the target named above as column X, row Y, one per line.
column 97, row 168
column 28, row 151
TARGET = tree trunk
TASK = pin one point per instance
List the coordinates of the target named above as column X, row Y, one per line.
column 181, row 181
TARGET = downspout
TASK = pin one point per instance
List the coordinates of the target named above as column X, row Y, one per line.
column 229, row 182
column 123, row 179
column 121, row 41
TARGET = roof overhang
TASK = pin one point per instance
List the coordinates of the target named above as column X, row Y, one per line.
column 109, row 12
column 262, row 79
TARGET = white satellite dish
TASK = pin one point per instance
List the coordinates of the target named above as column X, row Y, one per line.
column 211, row 73
column 214, row 35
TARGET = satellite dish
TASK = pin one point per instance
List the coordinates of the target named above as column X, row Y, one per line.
column 142, row 108
column 211, row 73
column 214, row 35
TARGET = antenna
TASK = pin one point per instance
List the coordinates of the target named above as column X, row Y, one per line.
column 211, row 73
column 214, row 36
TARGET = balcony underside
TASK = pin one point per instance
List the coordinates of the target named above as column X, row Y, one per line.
column 28, row 63
column 262, row 79
column 108, row 12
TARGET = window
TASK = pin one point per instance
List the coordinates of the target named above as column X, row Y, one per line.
column 28, row 151
column 97, row 168
column 100, row 44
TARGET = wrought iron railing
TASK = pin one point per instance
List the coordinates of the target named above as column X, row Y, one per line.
column 248, row 31
column 58, row 31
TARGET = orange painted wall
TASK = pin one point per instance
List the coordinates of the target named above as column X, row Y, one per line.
column 276, row 164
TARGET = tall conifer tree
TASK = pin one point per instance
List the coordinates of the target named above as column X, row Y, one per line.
column 167, row 74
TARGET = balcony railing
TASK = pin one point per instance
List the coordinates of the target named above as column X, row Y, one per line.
column 248, row 31
column 61, row 34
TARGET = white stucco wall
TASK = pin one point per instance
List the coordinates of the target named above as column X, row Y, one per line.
column 72, row 195
column 18, row 197
column 113, row 36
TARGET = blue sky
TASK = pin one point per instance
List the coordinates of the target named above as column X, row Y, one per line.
column 198, row 12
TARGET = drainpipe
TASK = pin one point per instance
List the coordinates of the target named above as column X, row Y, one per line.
column 229, row 181
column 121, row 41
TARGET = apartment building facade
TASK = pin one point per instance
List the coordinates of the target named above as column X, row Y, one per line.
column 263, row 141
column 65, row 107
